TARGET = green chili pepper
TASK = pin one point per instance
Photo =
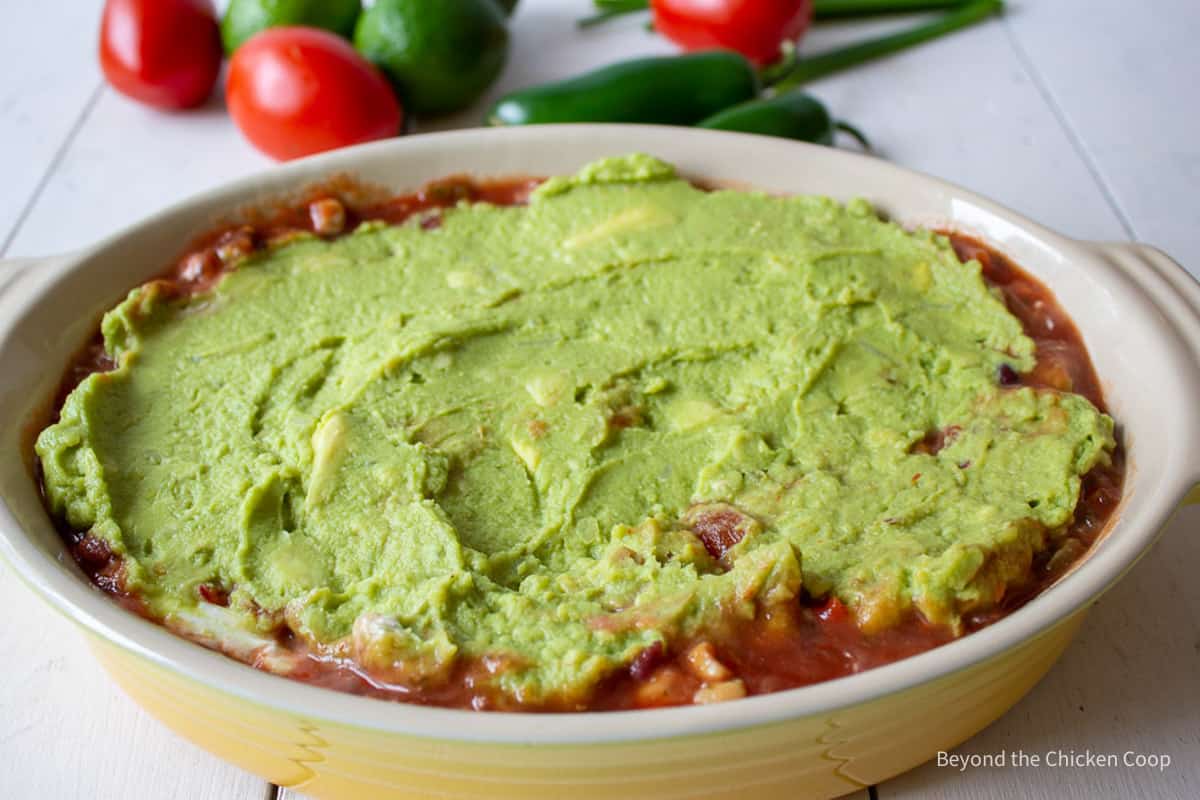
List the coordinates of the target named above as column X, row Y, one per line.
column 669, row 90
column 791, row 115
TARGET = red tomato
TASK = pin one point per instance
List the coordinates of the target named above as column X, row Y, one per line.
column 296, row 91
column 164, row 53
column 754, row 28
column 832, row 611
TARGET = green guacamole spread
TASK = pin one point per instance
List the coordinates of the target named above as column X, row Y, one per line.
column 499, row 438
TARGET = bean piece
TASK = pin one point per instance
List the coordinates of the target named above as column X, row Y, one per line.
column 328, row 216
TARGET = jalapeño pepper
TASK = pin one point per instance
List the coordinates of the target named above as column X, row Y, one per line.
column 668, row 90
column 791, row 115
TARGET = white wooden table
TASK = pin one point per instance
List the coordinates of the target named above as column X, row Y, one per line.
column 1080, row 113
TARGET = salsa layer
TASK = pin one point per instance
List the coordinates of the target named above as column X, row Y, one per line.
column 542, row 456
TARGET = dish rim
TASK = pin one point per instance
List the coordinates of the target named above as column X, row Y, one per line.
column 1100, row 568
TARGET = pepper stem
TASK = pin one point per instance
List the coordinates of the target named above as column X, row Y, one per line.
column 778, row 70
column 846, row 127
column 839, row 9
column 611, row 9
column 818, row 66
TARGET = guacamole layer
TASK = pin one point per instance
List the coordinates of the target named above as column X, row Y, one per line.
column 554, row 435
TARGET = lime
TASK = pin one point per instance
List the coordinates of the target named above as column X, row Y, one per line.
column 244, row 18
column 440, row 54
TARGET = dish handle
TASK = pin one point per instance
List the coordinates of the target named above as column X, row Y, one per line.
column 1176, row 293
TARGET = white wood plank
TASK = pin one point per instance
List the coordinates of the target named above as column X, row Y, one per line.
column 1124, row 78
column 964, row 109
column 1129, row 683
column 47, row 75
column 127, row 162
column 66, row 731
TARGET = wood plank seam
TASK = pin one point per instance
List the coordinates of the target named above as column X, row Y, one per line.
column 1043, row 89
column 55, row 160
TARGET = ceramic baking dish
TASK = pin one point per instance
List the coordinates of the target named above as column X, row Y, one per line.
column 1138, row 312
